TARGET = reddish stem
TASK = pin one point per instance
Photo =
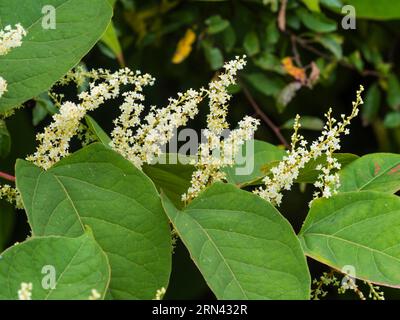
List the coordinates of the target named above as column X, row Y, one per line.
column 7, row 176
column 264, row 117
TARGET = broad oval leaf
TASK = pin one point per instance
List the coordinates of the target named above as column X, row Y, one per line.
column 78, row 265
column 377, row 171
column 47, row 54
column 242, row 245
column 360, row 229
column 98, row 187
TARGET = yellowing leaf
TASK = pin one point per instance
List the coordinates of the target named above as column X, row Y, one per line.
column 184, row 47
column 296, row 72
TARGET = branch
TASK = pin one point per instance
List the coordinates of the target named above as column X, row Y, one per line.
column 264, row 117
column 304, row 44
column 7, row 176
column 282, row 16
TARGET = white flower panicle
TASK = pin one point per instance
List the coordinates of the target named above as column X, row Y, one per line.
column 25, row 293
column 11, row 38
column 328, row 181
column 55, row 140
column 11, row 195
column 216, row 153
column 286, row 172
column 219, row 96
column 156, row 130
column 3, row 86
column 131, row 109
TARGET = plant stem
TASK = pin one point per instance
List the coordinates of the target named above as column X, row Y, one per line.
column 264, row 117
column 7, row 176
column 305, row 45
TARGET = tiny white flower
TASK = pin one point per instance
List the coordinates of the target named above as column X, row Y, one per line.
column 25, row 293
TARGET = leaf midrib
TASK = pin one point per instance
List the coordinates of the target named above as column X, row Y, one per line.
column 221, row 255
column 377, row 176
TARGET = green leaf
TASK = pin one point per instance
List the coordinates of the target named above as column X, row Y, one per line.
column 242, row 245
column 5, row 140
column 79, row 264
column 333, row 43
column 377, row 10
column 7, row 221
column 269, row 62
column 372, row 103
column 216, row 24
column 229, row 38
column 213, row 55
column 97, row 187
column 44, row 106
column 393, row 94
column 270, row 86
column 39, row 113
column 274, row 4
column 332, row 3
column 252, row 158
column 47, row 54
column 251, row 44
column 293, row 20
column 272, row 32
column 347, row 230
column 377, row 172
column 307, row 122
column 98, row 131
column 313, row 5
column 110, row 38
column 316, row 22
column 356, row 60
column 172, row 179
column 392, row 120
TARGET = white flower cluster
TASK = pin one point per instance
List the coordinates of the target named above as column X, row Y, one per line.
column 95, row 295
column 160, row 293
column 11, row 195
column 11, row 38
column 158, row 127
column 55, row 140
column 219, row 96
column 216, row 153
column 3, row 86
column 25, row 293
column 139, row 141
column 286, row 172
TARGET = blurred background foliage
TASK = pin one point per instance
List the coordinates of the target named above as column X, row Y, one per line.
column 300, row 60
